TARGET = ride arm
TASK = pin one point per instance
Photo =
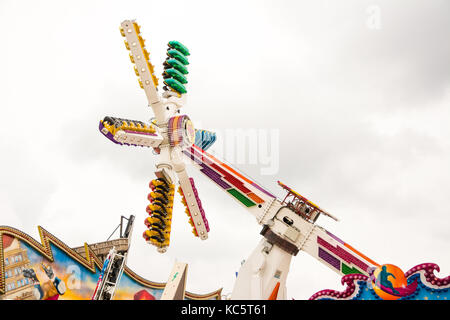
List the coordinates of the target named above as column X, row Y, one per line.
column 194, row 208
column 257, row 200
column 336, row 254
column 130, row 132
column 292, row 233
column 143, row 68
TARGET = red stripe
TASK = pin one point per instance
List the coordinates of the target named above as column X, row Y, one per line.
column 342, row 253
column 224, row 165
column 237, row 183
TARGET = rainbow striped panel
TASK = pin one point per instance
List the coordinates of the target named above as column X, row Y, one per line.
column 226, row 177
column 341, row 258
column 174, row 130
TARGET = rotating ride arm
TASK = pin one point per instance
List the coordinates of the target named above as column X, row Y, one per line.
column 288, row 227
column 257, row 200
column 130, row 132
column 143, row 68
column 264, row 273
column 194, row 208
column 168, row 134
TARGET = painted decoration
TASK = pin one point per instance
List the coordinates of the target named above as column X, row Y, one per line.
column 236, row 184
column 418, row 283
column 51, row 270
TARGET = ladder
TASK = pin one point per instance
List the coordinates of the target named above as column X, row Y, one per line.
column 113, row 266
column 110, row 276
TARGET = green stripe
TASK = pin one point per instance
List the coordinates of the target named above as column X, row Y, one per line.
column 347, row 270
column 247, row 202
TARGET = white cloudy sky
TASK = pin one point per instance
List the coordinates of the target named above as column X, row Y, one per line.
column 362, row 115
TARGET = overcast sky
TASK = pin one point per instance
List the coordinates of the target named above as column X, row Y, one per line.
column 362, row 105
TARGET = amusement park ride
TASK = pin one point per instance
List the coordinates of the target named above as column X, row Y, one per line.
column 168, row 134
column 288, row 226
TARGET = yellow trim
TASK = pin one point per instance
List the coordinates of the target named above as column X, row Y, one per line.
column 137, row 28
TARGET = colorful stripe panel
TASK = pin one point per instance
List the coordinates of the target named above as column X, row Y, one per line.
column 235, row 182
column 262, row 190
column 353, row 249
column 214, row 176
column 335, row 238
column 174, row 130
column 343, row 254
column 347, row 270
column 241, row 198
column 335, row 262
column 235, row 172
column 220, row 174
column 360, row 254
